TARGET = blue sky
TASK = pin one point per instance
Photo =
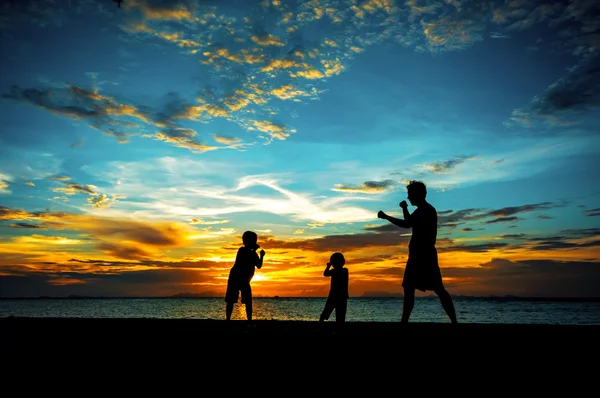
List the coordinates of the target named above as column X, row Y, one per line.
column 139, row 142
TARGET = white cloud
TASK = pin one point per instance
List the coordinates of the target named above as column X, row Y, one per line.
column 30, row 165
column 185, row 188
column 4, row 182
column 529, row 159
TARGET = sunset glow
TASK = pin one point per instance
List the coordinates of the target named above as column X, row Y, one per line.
column 138, row 143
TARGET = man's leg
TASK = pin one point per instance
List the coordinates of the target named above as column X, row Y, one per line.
column 447, row 303
column 228, row 311
column 407, row 304
column 322, row 317
column 249, row 310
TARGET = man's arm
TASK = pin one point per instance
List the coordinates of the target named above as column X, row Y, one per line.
column 396, row 221
column 328, row 271
column 405, row 211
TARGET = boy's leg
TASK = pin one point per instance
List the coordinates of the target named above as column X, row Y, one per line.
column 447, row 303
column 231, row 296
column 247, row 300
column 407, row 304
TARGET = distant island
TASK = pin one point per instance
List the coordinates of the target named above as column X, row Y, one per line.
column 208, row 294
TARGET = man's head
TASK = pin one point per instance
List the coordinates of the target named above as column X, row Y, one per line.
column 249, row 238
column 337, row 260
column 417, row 192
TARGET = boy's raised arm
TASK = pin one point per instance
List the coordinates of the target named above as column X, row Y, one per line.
column 259, row 261
column 328, row 271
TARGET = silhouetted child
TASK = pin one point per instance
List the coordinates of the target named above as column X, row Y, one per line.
column 338, row 292
column 241, row 274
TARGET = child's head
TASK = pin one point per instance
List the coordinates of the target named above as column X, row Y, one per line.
column 249, row 238
column 337, row 260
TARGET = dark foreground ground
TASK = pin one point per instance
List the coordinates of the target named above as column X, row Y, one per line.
column 204, row 328
column 141, row 343
column 286, row 356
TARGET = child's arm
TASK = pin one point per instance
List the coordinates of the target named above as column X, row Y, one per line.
column 346, row 277
column 328, row 271
column 259, row 261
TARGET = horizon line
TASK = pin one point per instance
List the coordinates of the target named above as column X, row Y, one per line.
column 391, row 296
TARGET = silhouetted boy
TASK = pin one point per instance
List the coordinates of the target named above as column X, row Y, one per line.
column 338, row 292
column 422, row 270
column 241, row 274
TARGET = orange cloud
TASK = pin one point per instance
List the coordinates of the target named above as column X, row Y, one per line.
column 169, row 11
column 267, row 40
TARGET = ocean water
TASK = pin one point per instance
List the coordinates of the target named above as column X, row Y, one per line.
column 427, row 309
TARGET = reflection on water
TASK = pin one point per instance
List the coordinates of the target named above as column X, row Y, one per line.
column 427, row 309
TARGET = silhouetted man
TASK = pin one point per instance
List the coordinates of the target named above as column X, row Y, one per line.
column 422, row 270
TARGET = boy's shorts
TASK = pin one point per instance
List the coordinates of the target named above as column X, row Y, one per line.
column 234, row 287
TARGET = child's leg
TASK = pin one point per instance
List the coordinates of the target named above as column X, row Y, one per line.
column 327, row 310
column 340, row 311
